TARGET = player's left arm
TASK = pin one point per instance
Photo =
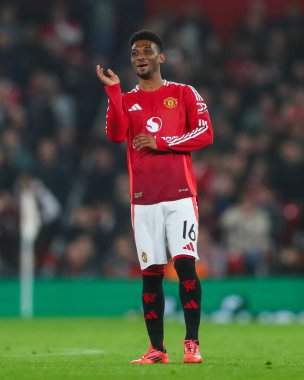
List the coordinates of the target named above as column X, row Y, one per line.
column 200, row 132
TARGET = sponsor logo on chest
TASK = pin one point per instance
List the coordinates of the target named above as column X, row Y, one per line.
column 154, row 124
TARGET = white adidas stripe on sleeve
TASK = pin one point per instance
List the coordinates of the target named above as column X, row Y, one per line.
column 175, row 140
column 197, row 95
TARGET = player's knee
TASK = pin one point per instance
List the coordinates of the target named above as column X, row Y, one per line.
column 185, row 267
column 152, row 278
column 154, row 270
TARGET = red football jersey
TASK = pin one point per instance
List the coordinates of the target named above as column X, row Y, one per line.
column 177, row 117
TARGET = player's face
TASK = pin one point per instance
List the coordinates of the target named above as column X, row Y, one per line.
column 146, row 58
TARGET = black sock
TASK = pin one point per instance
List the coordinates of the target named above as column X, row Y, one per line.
column 190, row 295
column 154, row 305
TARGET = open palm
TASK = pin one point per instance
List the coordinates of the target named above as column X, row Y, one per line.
column 110, row 80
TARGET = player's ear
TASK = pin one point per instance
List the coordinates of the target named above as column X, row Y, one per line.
column 162, row 57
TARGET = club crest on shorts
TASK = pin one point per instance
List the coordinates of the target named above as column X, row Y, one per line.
column 170, row 102
column 144, row 257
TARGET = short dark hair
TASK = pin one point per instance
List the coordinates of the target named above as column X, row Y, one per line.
column 147, row 35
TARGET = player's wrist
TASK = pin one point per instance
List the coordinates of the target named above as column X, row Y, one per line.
column 160, row 144
column 113, row 90
column 115, row 85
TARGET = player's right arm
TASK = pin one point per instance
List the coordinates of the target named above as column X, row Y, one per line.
column 117, row 123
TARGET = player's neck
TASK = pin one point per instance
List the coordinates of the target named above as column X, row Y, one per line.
column 150, row 84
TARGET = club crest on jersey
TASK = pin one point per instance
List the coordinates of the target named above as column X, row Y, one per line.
column 144, row 257
column 170, row 102
column 154, row 124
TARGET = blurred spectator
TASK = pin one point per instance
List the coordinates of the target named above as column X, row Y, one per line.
column 9, row 235
column 291, row 261
column 67, row 150
column 246, row 230
column 100, row 180
column 288, row 169
column 103, row 32
column 7, row 172
column 18, row 154
column 49, row 109
column 49, row 214
column 106, row 222
column 62, row 33
column 51, row 171
column 81, row 222
column 122, row 259
column 9, row 102
column 10, row 35
column 78, row 260
column 122, row 201
column 213, row 256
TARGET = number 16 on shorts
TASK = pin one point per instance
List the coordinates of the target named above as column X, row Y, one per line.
column 189, row 232
column 182, row 228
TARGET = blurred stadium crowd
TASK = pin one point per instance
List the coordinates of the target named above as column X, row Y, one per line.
column 52, row 119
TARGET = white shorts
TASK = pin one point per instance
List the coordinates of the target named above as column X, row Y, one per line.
column 172, row 225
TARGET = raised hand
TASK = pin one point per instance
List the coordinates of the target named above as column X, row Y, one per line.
column 107, row 80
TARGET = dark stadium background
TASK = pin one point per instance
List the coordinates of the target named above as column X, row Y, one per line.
column 247, row 60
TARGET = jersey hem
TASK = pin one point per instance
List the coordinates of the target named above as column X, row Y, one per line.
column 163, row 200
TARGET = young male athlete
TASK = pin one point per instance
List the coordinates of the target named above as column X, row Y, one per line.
column 162, row 122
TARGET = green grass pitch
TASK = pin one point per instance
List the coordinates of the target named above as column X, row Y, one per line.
column 100, row 348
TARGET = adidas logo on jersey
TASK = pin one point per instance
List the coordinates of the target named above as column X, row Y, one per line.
column 189, row 247
column 135, row 107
